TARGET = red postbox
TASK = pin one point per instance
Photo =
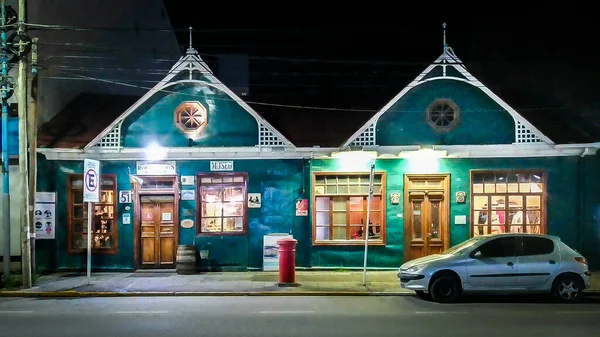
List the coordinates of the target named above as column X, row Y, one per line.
column 287, row 261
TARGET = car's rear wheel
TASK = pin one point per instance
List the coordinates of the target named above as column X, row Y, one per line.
column 567, row 288
column 445, row 289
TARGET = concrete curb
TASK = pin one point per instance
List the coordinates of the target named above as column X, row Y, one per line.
column 88, row 294
column 80, row 294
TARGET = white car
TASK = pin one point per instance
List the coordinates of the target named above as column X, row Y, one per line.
column 499, row 263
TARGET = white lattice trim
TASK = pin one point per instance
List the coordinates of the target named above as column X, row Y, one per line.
column 524, row 135
column 112, row 139
column 366, row 138
column 266, row 137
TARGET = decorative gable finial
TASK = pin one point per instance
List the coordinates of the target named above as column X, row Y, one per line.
column 191, row 49
column 444, row 33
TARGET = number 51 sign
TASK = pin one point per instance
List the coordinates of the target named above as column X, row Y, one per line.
column 125, row 197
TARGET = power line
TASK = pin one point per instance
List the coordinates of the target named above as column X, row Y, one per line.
column 309, row 107
column 329, row 30
column 252, row 58
column 272, row 73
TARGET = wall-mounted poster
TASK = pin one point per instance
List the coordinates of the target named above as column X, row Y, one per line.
column 254, row 200
column 302, row 207
column 271, row 251
column 45, row 220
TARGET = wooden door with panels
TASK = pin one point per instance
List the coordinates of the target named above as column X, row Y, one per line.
column 158, row 241
column 426, row 214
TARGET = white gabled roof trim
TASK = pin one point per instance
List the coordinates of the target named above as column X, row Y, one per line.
column 258, row 153
column 190, row 62
column 449, row 59
column 189, row 153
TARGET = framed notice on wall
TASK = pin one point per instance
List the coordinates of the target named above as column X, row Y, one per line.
column 44, row 215
column 302, row 207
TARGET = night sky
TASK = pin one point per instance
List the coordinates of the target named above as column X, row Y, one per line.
column 358, row 58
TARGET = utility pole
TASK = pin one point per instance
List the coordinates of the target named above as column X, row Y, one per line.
column 32, row 139
column 5, row 156
column 23, row 153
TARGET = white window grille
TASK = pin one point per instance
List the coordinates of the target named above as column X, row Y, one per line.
column 112, row 139
column 266, row 137
column 366, row 138
column 525, row 135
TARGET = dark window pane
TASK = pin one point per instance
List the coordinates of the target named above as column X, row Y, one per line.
column 537, row 246
column 500, row 247
column 477, row 178
column 489, row 178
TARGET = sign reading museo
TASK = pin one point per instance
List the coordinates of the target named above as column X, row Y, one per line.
column 221, row 165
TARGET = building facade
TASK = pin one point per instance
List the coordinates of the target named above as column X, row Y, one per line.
column 190, row 163
column 452, row 160
column 85, row 65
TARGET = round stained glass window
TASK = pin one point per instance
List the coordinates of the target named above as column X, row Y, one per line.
column 443, row 114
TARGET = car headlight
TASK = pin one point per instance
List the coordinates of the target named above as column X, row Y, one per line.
column 415, row 269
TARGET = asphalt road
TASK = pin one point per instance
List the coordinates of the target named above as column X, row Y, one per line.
column 294, row 316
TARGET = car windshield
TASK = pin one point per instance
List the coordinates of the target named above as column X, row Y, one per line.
column 461, row 247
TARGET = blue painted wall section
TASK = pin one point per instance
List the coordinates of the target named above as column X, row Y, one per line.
column 482, row 121
column 563, row 203
column 228, row 123
column 590, row 184
column 13, row 136
column 46, row 252
column 281, row 183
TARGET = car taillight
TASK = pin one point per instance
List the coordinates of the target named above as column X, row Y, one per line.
column 581, row 260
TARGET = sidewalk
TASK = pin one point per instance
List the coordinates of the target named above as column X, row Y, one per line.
column 323, row 283
column 232, row 283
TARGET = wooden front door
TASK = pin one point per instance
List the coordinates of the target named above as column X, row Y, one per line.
column 426, row 215
column 158, row 231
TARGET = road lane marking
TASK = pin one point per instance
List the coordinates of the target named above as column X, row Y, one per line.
column 441, row 312
column 141, row 312
column 16, row 312
column 287, row 312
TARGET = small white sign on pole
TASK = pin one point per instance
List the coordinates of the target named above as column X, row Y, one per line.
column 91, row 193
column 91, row 180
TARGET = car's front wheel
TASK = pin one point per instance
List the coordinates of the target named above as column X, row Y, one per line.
column 567, row 288
column 423, row 295
column 445, row 289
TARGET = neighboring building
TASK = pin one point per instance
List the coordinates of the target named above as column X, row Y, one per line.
column 191, row 164
column 453, row 161
column 213, row 151
column 91, row 53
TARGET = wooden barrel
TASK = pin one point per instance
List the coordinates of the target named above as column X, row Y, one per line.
column 186, row 260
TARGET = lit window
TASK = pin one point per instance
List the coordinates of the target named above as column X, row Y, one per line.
column 443, row 115
column 222, row 200
column 104, row 224
column 508, row 202
column 340, row 209
column 191, row 117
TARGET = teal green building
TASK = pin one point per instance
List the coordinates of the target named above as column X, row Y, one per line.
column 190, row 163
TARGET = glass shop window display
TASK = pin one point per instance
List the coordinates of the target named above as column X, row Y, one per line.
column 222, row 209
column 104, row 228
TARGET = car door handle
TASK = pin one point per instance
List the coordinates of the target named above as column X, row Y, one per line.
column 510, row 264
column 552, row 262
